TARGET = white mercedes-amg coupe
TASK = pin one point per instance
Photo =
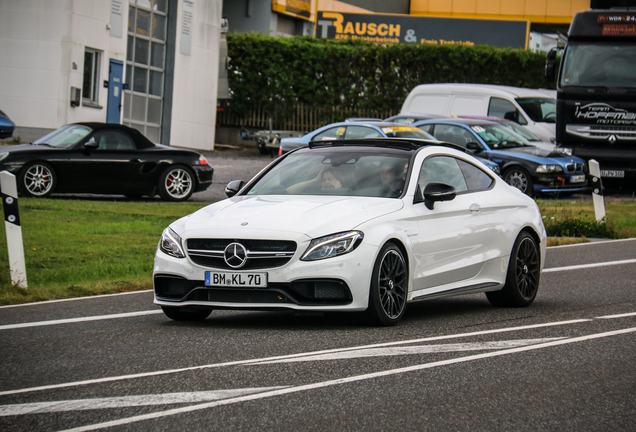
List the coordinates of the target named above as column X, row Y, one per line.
column 362, row 225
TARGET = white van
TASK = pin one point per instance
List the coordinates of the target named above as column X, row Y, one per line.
column 533, row 108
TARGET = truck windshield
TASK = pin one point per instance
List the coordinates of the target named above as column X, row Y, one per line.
column 589, row 64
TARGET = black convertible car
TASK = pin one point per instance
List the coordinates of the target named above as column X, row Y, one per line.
column 104, row 158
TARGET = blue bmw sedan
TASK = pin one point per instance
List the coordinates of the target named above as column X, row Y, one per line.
column 529, row 168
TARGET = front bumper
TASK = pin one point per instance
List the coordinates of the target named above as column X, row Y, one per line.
column 548, row 183
column 333, row 284
column 204, row 177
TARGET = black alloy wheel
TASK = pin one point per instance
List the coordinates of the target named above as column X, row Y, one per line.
column 389, row 287
column 522, row 278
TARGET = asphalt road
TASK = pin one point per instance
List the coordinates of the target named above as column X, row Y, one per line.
column 115, row 362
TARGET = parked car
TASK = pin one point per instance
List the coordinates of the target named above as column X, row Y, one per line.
column 103, row 158
column 352, row 130
column 529, row 168
column 527, row 134
column 7, row 126
column 408, row 220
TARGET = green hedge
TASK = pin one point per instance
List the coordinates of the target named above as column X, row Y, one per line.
column 277, row 73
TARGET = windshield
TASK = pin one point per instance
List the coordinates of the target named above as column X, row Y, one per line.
column 65, row 137
column 517, row 128
column 599, row 65
column 499, row 137
column 344, row 171
column 542, row 110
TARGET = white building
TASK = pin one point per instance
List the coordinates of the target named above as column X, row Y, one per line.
column 149, row 64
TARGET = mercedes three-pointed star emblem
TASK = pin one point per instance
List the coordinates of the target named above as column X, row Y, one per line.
column 235, row 255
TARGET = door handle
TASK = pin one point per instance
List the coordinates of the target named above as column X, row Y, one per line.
column 475, row 208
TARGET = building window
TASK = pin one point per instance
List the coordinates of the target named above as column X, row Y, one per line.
column 145, row 66
column 90, row 89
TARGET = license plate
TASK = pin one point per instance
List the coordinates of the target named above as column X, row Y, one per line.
column 238, row 280
column 613, row 173
column 577, row 178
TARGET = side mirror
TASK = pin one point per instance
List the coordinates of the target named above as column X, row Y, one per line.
column 474, row 147
column 91, row 145
column 438, row 192
column 234, row 187
column 512, row 116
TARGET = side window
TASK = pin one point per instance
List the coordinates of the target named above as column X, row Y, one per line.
column 453, row 134
column 361, row 132
column 442, row 169
column 334, row 133
column 113, row 140
column 476, row 179
column 505, row 109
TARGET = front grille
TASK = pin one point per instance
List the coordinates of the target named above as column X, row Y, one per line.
column 261, row 254
column 602, row 132
column 574, row 167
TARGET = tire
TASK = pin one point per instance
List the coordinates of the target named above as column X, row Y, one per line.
column 522, row 278
column 176, row 183
column 185, row 314
column 389, row 287
column 519, row 178
column 37, row 179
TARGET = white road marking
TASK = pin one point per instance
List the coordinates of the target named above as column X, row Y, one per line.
column 630, row 314
column 340, row 381
column 75, row 299
column 127, row 401
column 410, row 350
column 586, row 266
column 253, row 361
column 81, row 319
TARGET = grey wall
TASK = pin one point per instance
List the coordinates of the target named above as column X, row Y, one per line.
column 382, row 6
column 248, row 16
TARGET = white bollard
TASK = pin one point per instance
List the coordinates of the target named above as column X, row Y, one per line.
column 9, row 192
column 597, row 190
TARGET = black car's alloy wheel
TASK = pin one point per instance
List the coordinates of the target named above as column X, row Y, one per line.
column 176, row 184
column 519, row 178
column 522, row 279
column 37, row 179
column 389, row 287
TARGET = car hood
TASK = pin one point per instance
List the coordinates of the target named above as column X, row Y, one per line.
column 24, row 147
column 314, row 216
column 537, row 155
column 536, row 150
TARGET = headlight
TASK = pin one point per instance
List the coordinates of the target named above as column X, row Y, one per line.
column 171, row 243
column 332, row 245
column 495, row 169
column 563, row 150
column 3, row 155
column 544, row 169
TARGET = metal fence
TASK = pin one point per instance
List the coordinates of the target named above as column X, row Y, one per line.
column 303, row 118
